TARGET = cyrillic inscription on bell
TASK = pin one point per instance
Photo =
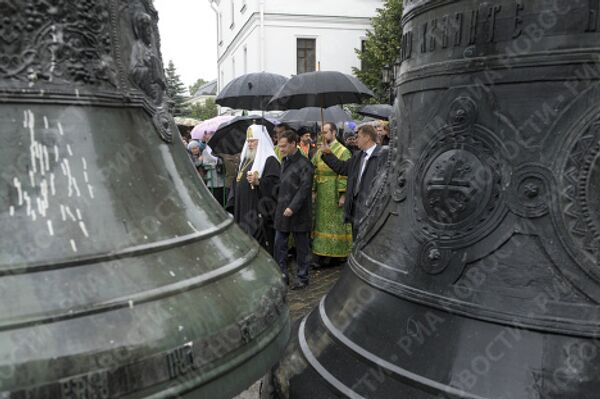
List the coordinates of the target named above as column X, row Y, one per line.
column 476, row 271
column 119, row 275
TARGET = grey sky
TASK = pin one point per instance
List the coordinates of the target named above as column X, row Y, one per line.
column 188, row 32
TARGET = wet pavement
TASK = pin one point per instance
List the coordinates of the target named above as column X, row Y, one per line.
column 301, row 302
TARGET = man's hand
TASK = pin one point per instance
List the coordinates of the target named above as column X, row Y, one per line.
column 325, row 146
column 314, row 197
column 288, row 213
column 342, row 200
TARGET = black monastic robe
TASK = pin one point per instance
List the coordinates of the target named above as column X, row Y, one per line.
column 253, row 209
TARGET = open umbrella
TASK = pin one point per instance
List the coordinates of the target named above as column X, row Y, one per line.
column 377, row 111
column 251, row 91
column 320, row 89
column 333, row 114
column 209, row 126
column 230, row 137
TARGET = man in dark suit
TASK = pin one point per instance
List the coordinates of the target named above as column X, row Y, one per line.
column 293, row 214
column 361, row 169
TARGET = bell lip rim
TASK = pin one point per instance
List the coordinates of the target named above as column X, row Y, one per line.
column 275, row 336
column 346, row 342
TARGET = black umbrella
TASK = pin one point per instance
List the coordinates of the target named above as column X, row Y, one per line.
column 231, row 136
column 320, row 89
column 252, row 91
column 377, row 111
column 310, row 115
column 301, row 126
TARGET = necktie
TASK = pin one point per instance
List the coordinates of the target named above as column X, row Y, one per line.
column 363, row 162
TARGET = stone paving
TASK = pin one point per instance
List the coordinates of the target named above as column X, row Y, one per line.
column 301, row 302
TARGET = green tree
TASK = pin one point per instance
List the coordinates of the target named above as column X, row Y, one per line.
column 193, row 88
column 381, row 47
column 203, row 111
column 175, row 90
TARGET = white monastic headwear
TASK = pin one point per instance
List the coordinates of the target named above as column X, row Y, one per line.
column 264, row 150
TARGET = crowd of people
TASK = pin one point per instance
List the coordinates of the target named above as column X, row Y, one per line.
column 291, row 194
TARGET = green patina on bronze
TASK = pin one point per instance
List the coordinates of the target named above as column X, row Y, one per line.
column 119, row 274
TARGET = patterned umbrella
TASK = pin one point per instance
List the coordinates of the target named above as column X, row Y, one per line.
column 209, row 126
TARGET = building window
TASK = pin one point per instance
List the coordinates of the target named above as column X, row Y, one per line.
column 306, row 55
column 243, row 9
column 232, row 15
column 233, row 75
column 245, row 59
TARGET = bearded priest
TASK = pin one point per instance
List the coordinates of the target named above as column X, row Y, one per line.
column 253, row 194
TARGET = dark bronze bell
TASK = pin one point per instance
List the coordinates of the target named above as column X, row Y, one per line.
column 476, row 271
column 120, row 276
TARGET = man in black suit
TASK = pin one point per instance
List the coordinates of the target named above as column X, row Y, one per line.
column 293, row 214
column 361, row 169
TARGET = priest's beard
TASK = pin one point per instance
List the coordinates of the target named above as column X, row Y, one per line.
column 250, row 154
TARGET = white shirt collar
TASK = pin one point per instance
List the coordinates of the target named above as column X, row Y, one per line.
column 370, row 150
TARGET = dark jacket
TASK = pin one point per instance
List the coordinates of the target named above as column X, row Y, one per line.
column 295, row 190
column 356, row 196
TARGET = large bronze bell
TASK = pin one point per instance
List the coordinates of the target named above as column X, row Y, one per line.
column 476, row 274
column 120, row 276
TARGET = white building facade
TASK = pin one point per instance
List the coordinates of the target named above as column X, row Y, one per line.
column 289, row 37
